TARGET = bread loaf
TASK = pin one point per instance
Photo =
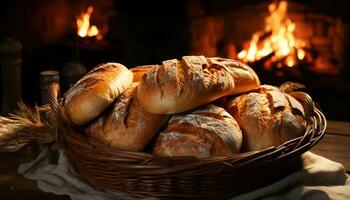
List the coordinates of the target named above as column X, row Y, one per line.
column 206, row 132
column 127, row 126
column 139, row 71
column 94, row 92
column 178, row 86
column 267, row 117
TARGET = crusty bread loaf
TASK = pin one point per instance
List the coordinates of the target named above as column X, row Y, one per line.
column 94, row 92
column 267, row 117
column 177, row 86
column 206, row 132
column 139, row 71
column 221, row 102
column 127, row 126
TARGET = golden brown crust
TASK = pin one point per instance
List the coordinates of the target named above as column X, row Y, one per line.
column 95, row 91
column 177, row 86
column 267, row 118
column 244, row 76
column 128, row 126
column 139, row 71
column 206, row 132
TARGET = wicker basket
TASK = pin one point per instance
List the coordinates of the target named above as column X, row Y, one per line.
column 139, row 174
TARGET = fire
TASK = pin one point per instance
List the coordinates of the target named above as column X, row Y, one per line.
column 84, row 28
column 277, row 39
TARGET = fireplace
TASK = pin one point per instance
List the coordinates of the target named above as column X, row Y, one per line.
column 146, row 32
column 316, row 55
column 320, row 35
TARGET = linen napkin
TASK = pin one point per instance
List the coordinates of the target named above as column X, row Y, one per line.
column 320, row 179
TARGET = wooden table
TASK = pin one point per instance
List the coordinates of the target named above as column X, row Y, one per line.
column 336, row 143
column 335, row 146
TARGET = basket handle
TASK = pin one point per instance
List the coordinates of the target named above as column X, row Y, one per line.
column 54, row 89
column 293, row 89
column 306, row 101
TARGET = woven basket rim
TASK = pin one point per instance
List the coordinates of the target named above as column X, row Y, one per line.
column 143, row 162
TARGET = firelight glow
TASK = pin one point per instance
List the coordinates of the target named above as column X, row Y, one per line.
column 84, row 28
column 278, row 38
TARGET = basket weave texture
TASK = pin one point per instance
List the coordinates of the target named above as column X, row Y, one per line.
column 141, row 174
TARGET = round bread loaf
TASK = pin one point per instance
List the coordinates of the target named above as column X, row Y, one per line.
column 94, row 92
column 127, row 126
column 267, row 117
column 206, row 132
column 178, row 86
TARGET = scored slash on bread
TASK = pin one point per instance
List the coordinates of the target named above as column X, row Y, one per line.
column 267, row 117
column 178, row 86
column 127, row 126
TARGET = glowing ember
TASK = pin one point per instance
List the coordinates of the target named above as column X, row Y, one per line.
column 84, row 28
column 277, row 39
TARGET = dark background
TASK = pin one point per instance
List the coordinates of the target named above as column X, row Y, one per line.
column 139, row 33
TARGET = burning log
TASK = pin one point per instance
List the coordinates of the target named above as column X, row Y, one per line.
column 261, row 61
column 276, row 47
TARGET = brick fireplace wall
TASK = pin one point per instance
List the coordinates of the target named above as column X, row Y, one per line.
column 323, row 33
column 224, row 33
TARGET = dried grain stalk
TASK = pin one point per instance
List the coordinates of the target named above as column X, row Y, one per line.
column 26, row 125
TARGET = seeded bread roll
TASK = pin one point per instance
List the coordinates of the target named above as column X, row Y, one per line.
column 206, row 132
column 94, row 92
column 178, row 86
column 127, row 126
column 267, row 117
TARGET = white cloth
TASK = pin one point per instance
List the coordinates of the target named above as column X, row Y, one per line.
column 319, row 179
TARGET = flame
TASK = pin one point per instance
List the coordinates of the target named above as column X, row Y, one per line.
column 301, row 54
column 277, row 38
column 84, row 28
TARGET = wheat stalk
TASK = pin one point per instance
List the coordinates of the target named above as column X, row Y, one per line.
column 26, row 125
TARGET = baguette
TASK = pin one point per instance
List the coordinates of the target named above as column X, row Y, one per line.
column 178, row 86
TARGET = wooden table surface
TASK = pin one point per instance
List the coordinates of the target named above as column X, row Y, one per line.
column 335, row 146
